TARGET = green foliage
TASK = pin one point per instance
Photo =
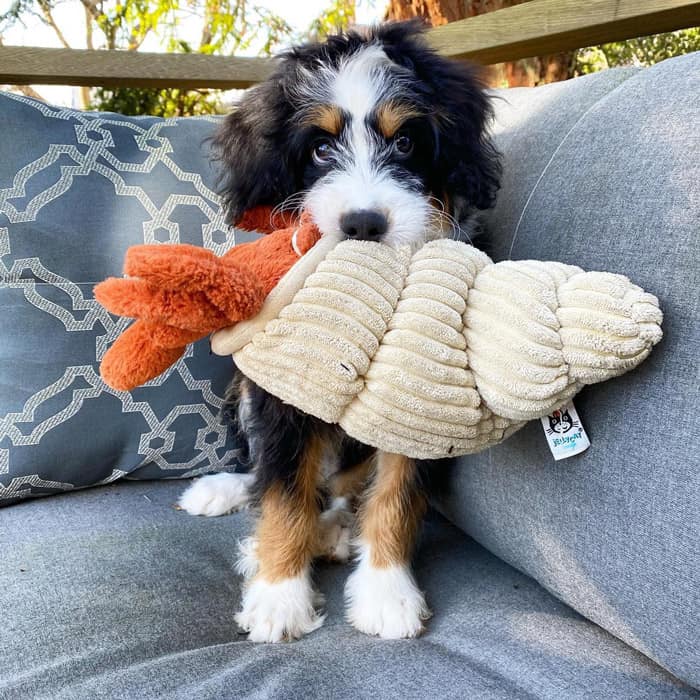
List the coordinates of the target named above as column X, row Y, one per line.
column 126, row 23
column 223, row 27
column 163, row 103
column 339, row 15
column 644, row 51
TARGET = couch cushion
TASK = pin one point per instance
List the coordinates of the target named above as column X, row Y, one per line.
column 76, row 190
column 113, row 593
column 531, row 126
column 614, row 532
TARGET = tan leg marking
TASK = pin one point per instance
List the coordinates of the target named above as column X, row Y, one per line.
column 288, row 527
column 392, row 511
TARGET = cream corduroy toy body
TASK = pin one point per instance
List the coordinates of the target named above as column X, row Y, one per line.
column 442, row 352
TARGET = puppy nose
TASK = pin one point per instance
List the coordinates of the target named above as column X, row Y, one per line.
column 364, row 225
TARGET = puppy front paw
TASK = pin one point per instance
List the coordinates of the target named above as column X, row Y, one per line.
column 385, row 602
column 217, row 494
column 280, row 611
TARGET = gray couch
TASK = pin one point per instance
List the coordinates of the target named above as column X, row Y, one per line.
column 573, row 579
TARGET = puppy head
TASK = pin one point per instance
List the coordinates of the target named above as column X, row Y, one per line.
column 372, row 132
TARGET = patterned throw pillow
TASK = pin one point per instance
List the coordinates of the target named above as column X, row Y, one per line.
column 76, row 190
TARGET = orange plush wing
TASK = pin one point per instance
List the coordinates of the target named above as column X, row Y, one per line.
column 180, row 293
column 136, row 357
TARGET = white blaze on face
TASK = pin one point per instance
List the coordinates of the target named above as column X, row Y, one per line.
column 359, row 180
column 362, row 82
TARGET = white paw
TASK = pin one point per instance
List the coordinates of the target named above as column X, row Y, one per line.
column 335, row 531
column 385, row 602
column 273, row 612
column 217, row 494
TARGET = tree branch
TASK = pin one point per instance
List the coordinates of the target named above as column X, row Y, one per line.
column 48, row 18
column 206, row 35
column 29, row 91
column 137, row 38
column 92, row 8
column 88, row 27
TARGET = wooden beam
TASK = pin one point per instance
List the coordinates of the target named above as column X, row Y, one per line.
column 24, row 65
column 532, row 28
column 548, row 26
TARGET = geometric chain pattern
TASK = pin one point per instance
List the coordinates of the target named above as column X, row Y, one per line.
column 76, row 189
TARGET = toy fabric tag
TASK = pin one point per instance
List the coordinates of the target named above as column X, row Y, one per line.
column 564, row 432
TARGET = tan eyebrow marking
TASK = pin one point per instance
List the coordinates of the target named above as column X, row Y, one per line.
column 392, row 115
column 327, row 117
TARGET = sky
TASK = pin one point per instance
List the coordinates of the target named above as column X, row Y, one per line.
column 69, row 17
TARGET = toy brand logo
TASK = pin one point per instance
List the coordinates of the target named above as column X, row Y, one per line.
column 565, row 434
column 561, row 422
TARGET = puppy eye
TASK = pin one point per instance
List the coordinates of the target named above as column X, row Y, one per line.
column 403, row 143
column 322, row 152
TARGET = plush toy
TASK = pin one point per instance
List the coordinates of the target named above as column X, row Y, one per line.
column 180, row 293
column 441, row 352
column 428, row 354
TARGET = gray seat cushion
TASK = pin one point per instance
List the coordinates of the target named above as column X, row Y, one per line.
column 112, row 593
column 614, row 532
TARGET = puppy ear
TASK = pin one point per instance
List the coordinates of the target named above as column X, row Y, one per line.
column 466, row 156
column 250, row 148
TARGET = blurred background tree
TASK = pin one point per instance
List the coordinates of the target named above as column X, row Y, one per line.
column 339, row 15
column 550, row 68
column 526, row 72
column 229, row 27
column 644, row 51
column 182, row 26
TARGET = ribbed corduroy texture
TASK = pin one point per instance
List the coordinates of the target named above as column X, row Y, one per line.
column 441, row 352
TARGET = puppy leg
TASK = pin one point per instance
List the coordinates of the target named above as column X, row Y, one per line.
column 355, row 462
column 345, row 486
column 217, row 494
column 381, row 594
column 279, row 601
column 223, row 493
